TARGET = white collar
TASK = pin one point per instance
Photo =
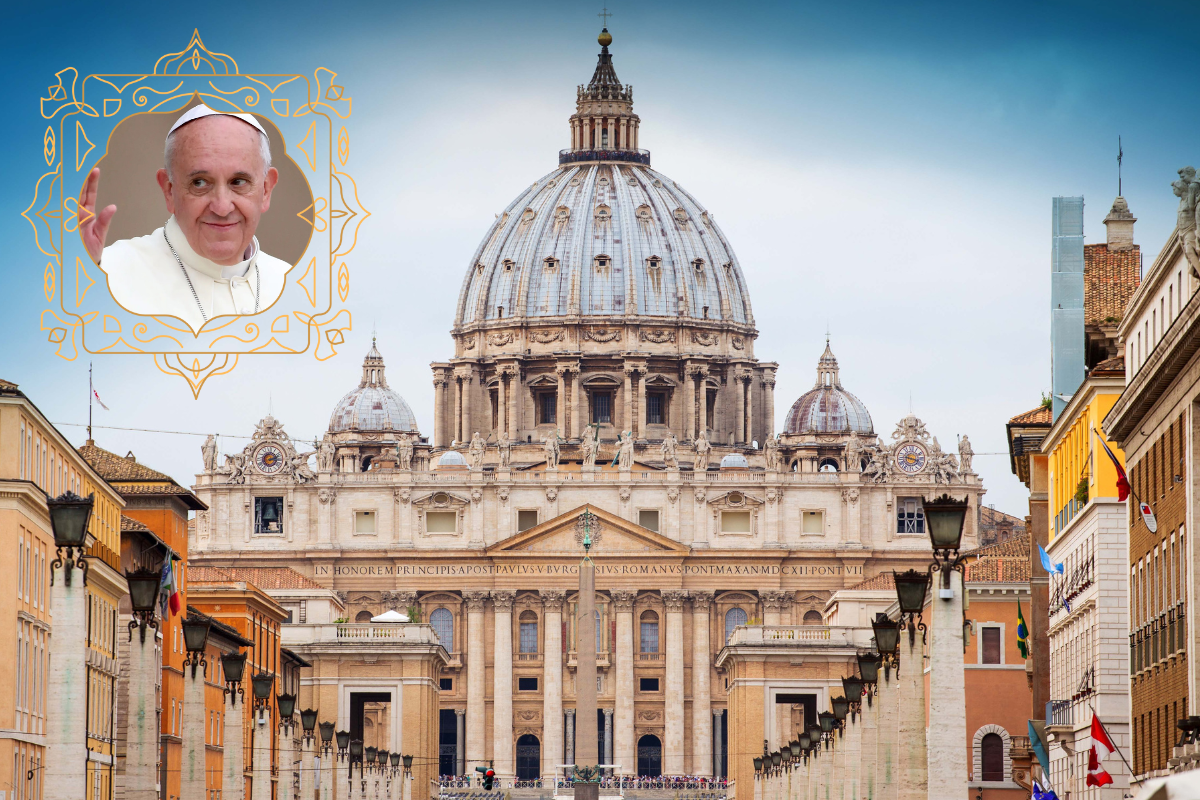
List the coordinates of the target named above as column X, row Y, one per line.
column 204, row 266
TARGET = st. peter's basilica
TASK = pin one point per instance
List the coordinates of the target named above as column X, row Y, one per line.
column 603, row 359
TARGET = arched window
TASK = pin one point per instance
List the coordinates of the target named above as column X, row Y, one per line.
column 649, row 632
column 813, row 618
column 529, row 632
column 991, row 757
column 363, row 616
column 733, row 618
column 828, row 465
column 443, row 625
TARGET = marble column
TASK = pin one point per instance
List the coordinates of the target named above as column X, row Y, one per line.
column 607, row 757
column 579, row 404
column 439, row 416
column 702, row 403
column 769, row 402
column 552, row 683
column 627, row 400
column 560, row 412
column 466, row 407
column 623, row 736
column 854, row 735
column 195, row 721
column 672, row 762
column 458, row 410
column 142, row 734
column 689, row 406
column 324, row 772
column 739, row 430
column 260, row 745
column 63, row 772
column 501, row 407
column 460, row 741
column 750, row 409
column 476, row 711
column 947, row 757
column 233, row 781
column 870, row 746
column 718, row 743
column 886, row 781
column 702, row 738
column 502, row 689
column 515, row 397
column 570, row 736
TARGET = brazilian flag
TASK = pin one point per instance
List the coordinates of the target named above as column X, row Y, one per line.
column 1022, row 633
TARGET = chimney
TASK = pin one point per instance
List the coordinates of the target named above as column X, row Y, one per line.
column 1119, row 223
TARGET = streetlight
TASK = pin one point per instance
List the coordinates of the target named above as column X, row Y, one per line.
column 326, row 736
column 233, row 665
column 372, row 753
column 868, row 668
column 69, row 515
column 407, row 758
column 853, row 687
column 262, row 683
column 343, row 741
column 841, row 707
column 287, row 707
column 911, row 588
column 944, row 518
column 308, row 721
column 887, row 638
column 195, row 640
column 143, row 596
column 383, row 759
column 827, row 720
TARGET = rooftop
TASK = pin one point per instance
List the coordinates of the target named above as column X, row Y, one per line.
column 265, row 578
column 1110, row 277
column 1005, row 562
column 884, row 581
column 134, row 477
column 1037, row 416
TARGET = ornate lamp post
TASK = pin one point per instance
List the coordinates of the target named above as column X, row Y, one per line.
column 69, row 515
column 142, row 721
column 262, row 684
column 343, row 764
column 195, row 640
column 308, row 724
column 356, row 757
column 827, row 721
column 143, row 596
column 911, row 588
column 887, row 639
column 233, row 667
column 327, row 760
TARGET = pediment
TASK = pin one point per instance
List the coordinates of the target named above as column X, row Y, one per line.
column 618, row 537
column 440, row 499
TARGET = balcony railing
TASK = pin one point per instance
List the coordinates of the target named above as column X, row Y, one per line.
column 1071, row 586
column 529, row 658
column 602, row 659
column 1060, row 712
column 649, row 656
column 628, row 156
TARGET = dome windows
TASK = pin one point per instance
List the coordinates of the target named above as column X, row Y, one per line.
column 644, row 213
column 550, row 264
column 656, row 183
column 602, row 181
column 603, row 213
column 654, row 270
column 527, row 216
column 602, row 264
column 574, row 182
column 681, row 217
column 508, row 265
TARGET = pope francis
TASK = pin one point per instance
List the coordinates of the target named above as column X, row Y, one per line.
column 205, row 261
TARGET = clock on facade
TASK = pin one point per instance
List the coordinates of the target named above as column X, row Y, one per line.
column 268, row 459
column 910, row 458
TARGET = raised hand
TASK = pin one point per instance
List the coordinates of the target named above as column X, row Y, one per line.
column 95, row 230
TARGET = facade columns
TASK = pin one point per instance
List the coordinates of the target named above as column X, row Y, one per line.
column 769, row 402
column 476, row 712
column 66, row 691
column 702, row 738
column 607, row 758
column 260, row 745
column 626, row 745
column 458, row 410
column 627, row 396
column 702, row 403
column 552, row 683
column 501, row 407
column 142, row 736
column 192, row 772
column 502, row 690
column 947, row 757
column 689, row 406
column 718, row 719
column 560, row 399
column 460, row 741
column 739, row 424
column 578, row 415
column 641, row 400
column 233, row 778
column 911, row 725
column 570, row 736
column 750, row 408
column 672, row 761
column 514, row 403
column 439, row 414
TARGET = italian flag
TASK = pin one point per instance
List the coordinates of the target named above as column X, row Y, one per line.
column 168, row 592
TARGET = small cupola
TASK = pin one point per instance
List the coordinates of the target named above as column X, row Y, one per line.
column 1119, row 224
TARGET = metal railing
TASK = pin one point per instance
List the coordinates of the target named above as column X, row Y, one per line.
column 629, row 156
column 1060, row 712
column 1071, row 586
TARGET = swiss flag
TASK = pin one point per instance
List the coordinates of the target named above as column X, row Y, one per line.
column 1102, row 748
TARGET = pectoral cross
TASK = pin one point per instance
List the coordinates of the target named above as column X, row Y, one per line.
column 604, row 15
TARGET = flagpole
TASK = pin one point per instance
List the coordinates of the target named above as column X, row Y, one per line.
column 90, row 401
column 1104, row 728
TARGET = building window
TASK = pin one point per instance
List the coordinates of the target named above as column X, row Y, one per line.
column 527, row 684
column 529, row 632
column 649, row 637
column 303, row 618
column 813, row 617
column 733, row 618
column 910, row 516
column 441, row 522
column 526, row 519
column 828, row 465
column 989, row 639
column 363, row 616
column 735, row 522
column 991, row 752
column 648, row 685
column 812, row 522
column 268, row 515
column 547, row 408
column 648, row 519
column 602, row 408
column 443, row 625
column 655, row 404
column 446, row 684
column 364, row 522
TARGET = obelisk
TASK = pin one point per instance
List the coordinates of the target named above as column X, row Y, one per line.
column 587, row 786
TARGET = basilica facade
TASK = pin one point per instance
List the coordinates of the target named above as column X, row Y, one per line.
column 604, row 361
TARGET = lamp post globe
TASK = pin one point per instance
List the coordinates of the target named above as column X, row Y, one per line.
column 758, row 765
column 804, row 741
column 911, row 588
column 887, row 634
column 868, row 667
column 841, row 707
column 343, row 741
column 262, row 683
column 944, row 518
column 195, row 640
column 408, row 759
column 853, row 687
column 69, row 515
column 776, row 758
column 287, row 706
column 308, row 721
column 143, row 597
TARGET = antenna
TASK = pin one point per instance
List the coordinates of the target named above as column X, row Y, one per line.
column 1120, row 157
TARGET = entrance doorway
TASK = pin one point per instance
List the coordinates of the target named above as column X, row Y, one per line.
column 529, row 758
column 649, row 754
column 447, row 742
column 370, row 718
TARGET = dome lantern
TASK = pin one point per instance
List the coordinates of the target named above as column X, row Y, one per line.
column 827, row 407
column 604, row 127
column 372, row 406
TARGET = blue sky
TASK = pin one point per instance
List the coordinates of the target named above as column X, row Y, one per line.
column 884, row 170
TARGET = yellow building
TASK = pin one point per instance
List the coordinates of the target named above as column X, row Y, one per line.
column 1088, row 613
column 36, row 462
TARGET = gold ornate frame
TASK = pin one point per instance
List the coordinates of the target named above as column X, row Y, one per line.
column 310, row 315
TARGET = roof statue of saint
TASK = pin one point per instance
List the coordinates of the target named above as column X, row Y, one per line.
column 828, row 407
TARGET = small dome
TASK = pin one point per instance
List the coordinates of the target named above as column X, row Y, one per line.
column 452, row 459
column 372, row 406
column 827, row 407
column 735, row 461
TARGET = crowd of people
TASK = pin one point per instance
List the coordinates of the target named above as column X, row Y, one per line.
column 447, row 783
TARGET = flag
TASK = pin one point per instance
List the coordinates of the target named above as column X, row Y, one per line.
column 1102, row 748
column 1122, row 479
column 1037, row 741
column 1042, row 793
column 1022, row 633
column 1047, row 564
column 96, row 395
column 168, row 591
column 1148, row 517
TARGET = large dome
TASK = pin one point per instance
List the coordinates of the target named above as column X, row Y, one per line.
column 372, row 406
column 604, row 239
column 827, row 407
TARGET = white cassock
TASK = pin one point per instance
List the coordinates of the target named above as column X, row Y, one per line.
column 145, row 278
